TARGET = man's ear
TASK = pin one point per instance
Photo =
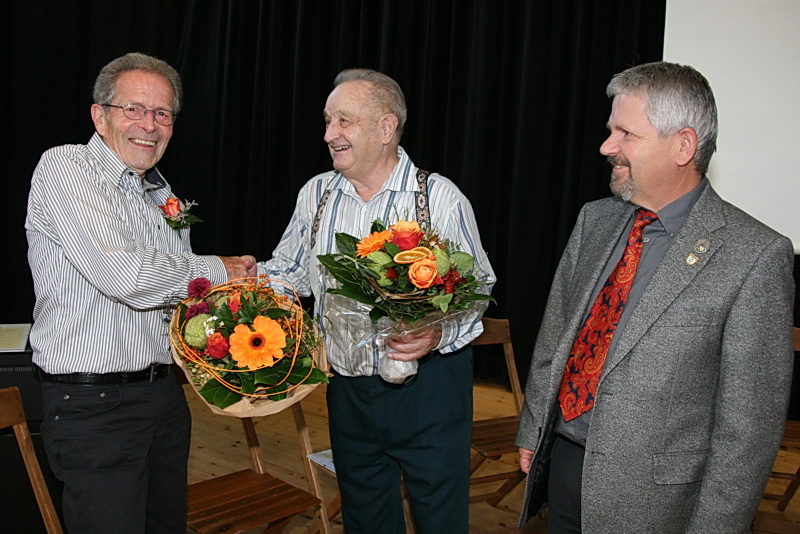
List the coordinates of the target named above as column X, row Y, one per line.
column 687, row 147
column 389, row 124
column 99, row 118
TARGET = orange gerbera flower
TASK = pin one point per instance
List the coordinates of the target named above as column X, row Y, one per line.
column 259, row 348
column 372, row 242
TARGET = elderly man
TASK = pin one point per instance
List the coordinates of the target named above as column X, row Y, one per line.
column 378, row 428
column 659, row 382
column 108, row 249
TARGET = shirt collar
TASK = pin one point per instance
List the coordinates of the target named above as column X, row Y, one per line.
column 126, row 178
column 673, row 215
column 402, row 177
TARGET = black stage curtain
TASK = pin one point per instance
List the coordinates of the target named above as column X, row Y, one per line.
column 506, row 98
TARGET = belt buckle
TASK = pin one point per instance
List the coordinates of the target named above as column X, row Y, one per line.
column 152, row 371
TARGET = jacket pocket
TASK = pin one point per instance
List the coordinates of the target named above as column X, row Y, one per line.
column 679, row 467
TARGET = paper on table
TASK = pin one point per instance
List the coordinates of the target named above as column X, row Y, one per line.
column 14, row 337
column 323, row 458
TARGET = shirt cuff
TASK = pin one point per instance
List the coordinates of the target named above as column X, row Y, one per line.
column 215, row 269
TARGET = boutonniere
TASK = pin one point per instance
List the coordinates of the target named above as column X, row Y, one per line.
column 178, row 216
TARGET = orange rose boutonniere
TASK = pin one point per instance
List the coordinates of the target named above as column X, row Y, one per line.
column 177, row 215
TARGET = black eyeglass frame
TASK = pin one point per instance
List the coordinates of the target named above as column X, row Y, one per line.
column 156, row 112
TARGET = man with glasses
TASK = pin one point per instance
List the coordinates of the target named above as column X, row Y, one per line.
column 108, row 249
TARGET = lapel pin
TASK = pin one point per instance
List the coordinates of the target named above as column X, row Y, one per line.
column 702, row 246
column 691, row 259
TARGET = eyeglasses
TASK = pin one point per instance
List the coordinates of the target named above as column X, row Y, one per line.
column 136, row 112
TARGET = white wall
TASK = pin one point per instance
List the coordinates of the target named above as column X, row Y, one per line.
column 749, row 50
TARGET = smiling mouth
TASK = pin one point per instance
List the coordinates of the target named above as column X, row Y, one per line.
column 143, row 142
column 340, row 148
column 617, row 163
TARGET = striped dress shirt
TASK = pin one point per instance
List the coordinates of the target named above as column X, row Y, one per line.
column 294, row 261
column 105, row 264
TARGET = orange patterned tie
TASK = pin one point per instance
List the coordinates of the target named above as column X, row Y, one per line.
column 588, row 354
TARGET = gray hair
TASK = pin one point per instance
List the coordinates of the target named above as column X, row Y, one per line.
column 385, row 93
column 676, row 96
column 105, row 86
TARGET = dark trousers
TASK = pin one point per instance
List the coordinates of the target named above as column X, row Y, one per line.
column 122, row 453
column 421, row 428
column 564, row 487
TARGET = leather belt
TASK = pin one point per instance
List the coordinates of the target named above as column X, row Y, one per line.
column 156, row 371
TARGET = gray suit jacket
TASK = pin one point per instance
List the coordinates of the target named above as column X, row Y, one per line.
column 690, row 406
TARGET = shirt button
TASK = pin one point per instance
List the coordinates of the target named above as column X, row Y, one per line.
column 66, row 397
column 102, row 395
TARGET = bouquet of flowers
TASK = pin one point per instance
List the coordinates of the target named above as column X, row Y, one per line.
column 241, row 342
column 403, row 273
column 403, row 277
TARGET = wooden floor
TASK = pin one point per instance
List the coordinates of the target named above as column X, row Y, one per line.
column 218, row 447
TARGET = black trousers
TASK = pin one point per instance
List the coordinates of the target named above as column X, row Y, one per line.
column 421, row 428
column 122, row 453
column 564, row 487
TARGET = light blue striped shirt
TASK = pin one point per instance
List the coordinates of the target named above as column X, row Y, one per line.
column 295, row 260
column 104, row 262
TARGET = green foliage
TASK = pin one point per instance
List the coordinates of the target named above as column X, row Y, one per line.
column 384, row 285
column 254, row 299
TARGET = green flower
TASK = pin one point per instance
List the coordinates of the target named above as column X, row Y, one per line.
column 194, row 333
column 379, row 257
column 442, row 261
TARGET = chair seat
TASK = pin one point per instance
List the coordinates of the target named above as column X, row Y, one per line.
column 244, row 500
column 790, row 439
column 494, row 437
column 491, row 439
column 791, row 434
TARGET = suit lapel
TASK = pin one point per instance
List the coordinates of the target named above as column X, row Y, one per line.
column 693, row 248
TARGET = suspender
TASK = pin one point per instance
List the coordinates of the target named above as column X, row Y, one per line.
column 420, row 205
column 421, row 200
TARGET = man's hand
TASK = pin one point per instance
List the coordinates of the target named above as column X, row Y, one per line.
column 239, row 266
column 525, row 459
column 415, row 345
column 249, row 263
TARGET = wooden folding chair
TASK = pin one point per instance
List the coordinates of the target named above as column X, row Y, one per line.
column 250, row 498
column 322, row 461
column 791, row 439
column 492, row 438
column 12, row 414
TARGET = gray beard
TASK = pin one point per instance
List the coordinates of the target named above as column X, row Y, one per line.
column 625, row 189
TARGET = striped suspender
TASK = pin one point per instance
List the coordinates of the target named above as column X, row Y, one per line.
column 420, row 205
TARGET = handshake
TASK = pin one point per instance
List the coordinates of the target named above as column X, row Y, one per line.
column 239, row 266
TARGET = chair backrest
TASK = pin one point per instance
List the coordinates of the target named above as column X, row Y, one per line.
column 12, row 414
column 796, row 336
column 498, row 332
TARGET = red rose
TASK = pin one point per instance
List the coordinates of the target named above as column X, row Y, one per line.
column 406, row 235
column 217, row 346
column 407, row 240
column 391, row 273
column 234, row 302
